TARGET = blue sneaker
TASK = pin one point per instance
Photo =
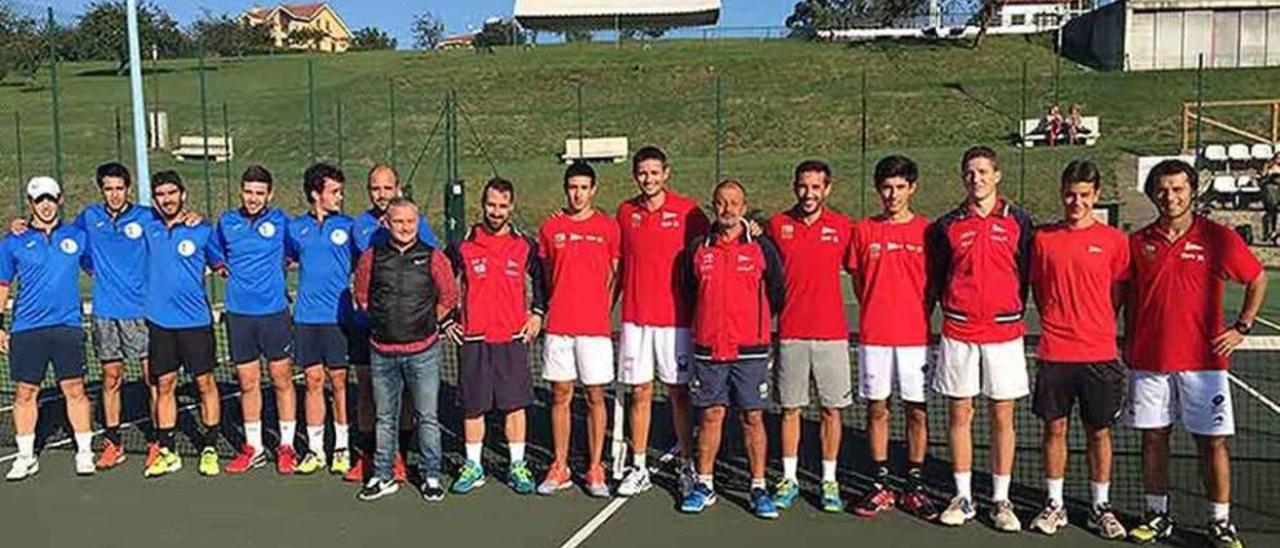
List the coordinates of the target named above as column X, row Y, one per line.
column 698, row 500
column 762, row 505
column 470, row 477
column 520, row 478
column 785, row 493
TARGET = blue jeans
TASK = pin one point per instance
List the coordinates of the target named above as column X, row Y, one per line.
column 420, row 373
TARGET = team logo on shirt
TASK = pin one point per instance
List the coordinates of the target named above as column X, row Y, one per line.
column 788, row 232
column 874, row 250
column 267, row 229
column 1094, row 249
column 479, row 266
column 746, row 263
column 513, row 267
column 670, row 219
column 339, row 237
column 559, row 240
column 1148, row 250
column 1193, row 252
column 186, row 248
column 133, row 231
column 68, row 246
column 830, row 235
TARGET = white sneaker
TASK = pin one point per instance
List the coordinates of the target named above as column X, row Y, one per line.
column 636, row 482
column 1004, row 519
column 23, row 468
column 84, row 464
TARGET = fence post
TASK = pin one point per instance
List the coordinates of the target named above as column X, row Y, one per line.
column 53, row 90
column 1199, row 108
column 226, row 137
column 391, row 103
column 119, row 134
column 1022, row 151
column 862, row 165
column 340, row 137
column 581, row 130
column 455, row 199
column 204, row 135
column 311, row 106
column 719, row 130
column 17, row 138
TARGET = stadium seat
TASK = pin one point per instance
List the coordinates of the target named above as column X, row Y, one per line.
column 1224, row 190
column 1216, row 157
column 1238, row 152
column 1262, row 152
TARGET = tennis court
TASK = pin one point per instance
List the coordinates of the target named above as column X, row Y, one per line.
column 119, row 508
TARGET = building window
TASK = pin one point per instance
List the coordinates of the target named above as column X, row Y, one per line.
column 1017, row 19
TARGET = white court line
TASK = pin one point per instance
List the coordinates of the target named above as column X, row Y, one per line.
column 1255, row 393
column 587, row 530
column 1268, row 323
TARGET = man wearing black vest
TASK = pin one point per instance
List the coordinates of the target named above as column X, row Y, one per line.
column 407, row 288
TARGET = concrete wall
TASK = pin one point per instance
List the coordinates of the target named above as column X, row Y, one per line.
column 1097, row 38
column 1168, row 36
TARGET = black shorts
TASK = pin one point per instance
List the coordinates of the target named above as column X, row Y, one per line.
column 320, row 344
column 743, row 384
column 1100, row 387
column 253, row 337
column 358, row 345
column 191, row 349
column 494, row 376
column 31, row 352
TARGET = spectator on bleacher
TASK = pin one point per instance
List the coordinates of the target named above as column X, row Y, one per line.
column 1269, row 181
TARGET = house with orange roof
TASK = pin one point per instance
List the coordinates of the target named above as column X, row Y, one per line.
column 303, row 26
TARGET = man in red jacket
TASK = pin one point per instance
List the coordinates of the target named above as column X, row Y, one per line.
column 737, row 284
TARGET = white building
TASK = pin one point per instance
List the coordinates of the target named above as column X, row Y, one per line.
column 559, row 15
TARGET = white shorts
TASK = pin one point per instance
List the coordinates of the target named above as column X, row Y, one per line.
column 996, row 370
column 567, row 358
column 1200, row 399
column 880, row 366
column 644, row 348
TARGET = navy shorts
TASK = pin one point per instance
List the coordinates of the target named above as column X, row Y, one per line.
column 30, row 353
column 358, row 345
column 320, row 344
column 191, row 349
column 494, row 376
column 743, row 384
column 253, row 337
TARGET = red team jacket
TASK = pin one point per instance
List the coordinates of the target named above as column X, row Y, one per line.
column 492, row 270
column 736, row 286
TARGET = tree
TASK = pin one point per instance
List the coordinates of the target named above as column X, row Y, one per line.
column 427, row 29
column 810, row 16
column 307, row 37
column 576, row 35
column 370, row 39
column 101, row 34
column 499, row 32
column 225, row 36
column 21, row 48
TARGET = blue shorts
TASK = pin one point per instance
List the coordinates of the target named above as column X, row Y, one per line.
column 743, row 384
column 253, row 337
column 30, row 353
column 320, row 344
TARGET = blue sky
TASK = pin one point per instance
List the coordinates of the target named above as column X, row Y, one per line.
column 395, row 16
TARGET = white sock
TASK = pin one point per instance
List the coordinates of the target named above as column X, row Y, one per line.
column 315, row 440
column 828, row 470
column 757, row 483
column 26, row 445
column 287, row 431
column 1055, row 490
column 516, row 449
column 84, row 442
column 1000, row 487
column 964, row 484
column 341, row 437
column 638, row 459
column 1158, row 503
column 708, row 481
column 1219, row 511
column 1101, row 493
column 789, row 465
column 473, row 452
column 253, row 435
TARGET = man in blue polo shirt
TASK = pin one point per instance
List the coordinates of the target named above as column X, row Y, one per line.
column 179, row 322
column 252, row 239
column 371, row 229
column 320, row 242
column 46, row 325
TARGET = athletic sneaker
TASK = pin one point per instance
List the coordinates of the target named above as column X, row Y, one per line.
column 286, row 460
column 153, row 453
column 1103, row 521
column 636, row 482
column 84, row 464
column 1052, row 518
column 558, row 478
column 831, row 501
column 785, row 493
column 209, row 462
column 359, row 470
column 341, row 463
column 23, row 468
column 688, row 478
column 1222, row 534
column 310, row 464
column 470, row 477
column 959, row 511
column 761, row 505
column 916, row 502
column 247, row 460
column 167, row 462
column 699, row 499
column 874, row 502
column 398, row 470
column 112, row 455
column 597, row 486
column 377, row 488
column 1003, row 518
column 1155, row 527
column 520, row 478
column 431, row 490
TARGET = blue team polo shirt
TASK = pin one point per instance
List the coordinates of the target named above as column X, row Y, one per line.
column 176, row 262
column 118, row 252
column 254, row 249
column 47, row 266
column 325, row 252
column 370, row 232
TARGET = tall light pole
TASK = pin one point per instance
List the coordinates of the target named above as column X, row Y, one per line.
column 142, row 170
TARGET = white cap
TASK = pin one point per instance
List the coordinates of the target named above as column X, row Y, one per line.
column 40, row 186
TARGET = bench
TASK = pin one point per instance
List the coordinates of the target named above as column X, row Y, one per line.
column 193, row 148
column 613, row 149
column 1029, row 137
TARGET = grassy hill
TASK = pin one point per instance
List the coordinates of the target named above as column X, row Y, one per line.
column 783, row 102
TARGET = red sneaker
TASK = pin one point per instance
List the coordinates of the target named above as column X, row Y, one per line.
column 398, row 469
column 246, row 460
column 875, row 502
column 359, row 470
column 112, row 455
column 917, row 503
column 286, row 460
column 153, row 453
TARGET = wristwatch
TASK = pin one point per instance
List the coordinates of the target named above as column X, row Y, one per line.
column 1242, row 327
